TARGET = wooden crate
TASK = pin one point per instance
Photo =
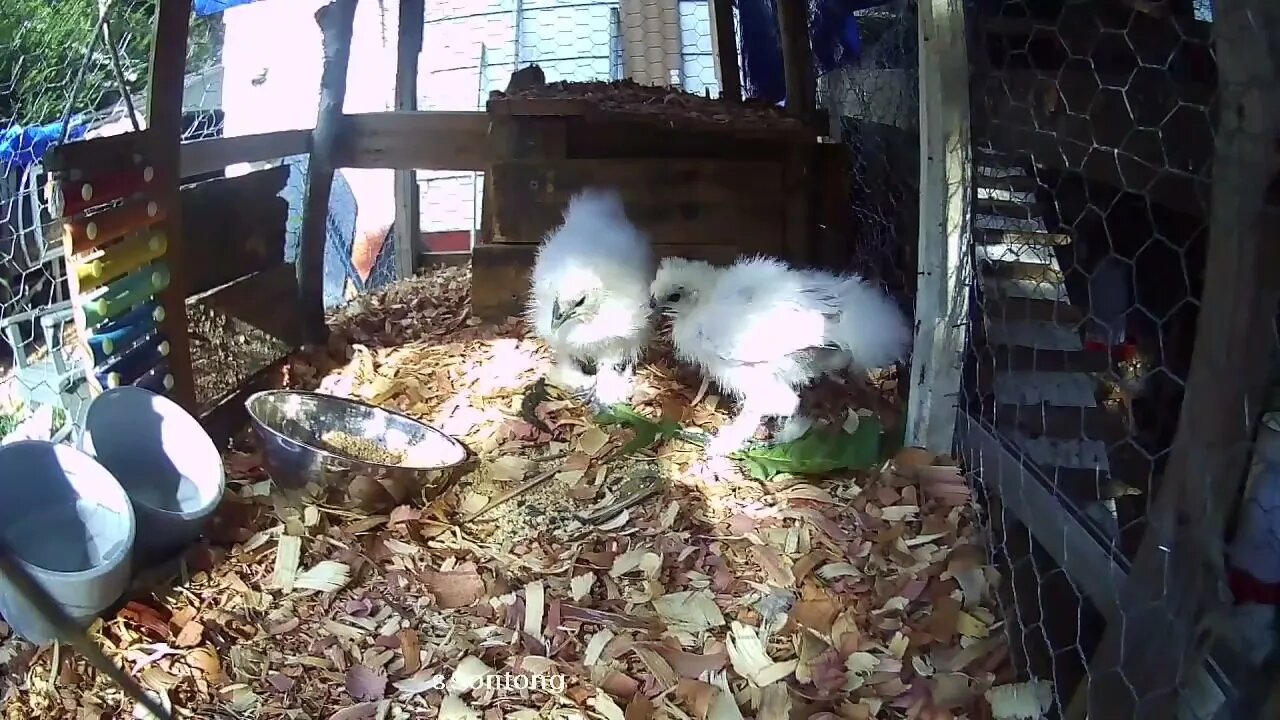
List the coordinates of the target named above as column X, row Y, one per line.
column 699, row 189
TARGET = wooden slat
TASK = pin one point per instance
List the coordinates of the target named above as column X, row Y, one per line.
column 991, row 237
column 1060, row 421
column 228, row 417
column 87, row 232
column 724, row 44
column 336, row 21
column 405, row 140
column 500, row 273
column 407, row 232
column 164, row 114
column 1074, row 548
column 1022, row 271
column 677, row 202
column 267, row 300
column 797, row 58
column 1017, row 357
column 234, row 227
column 1007, row 209
column 204, row 156
column 1014, row 309
column 538, row 107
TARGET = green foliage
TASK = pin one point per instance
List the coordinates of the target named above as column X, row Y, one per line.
column 818, row 451
column 43, row 43
column 821, row 450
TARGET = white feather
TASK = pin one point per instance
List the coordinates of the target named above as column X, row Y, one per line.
column 597, row 256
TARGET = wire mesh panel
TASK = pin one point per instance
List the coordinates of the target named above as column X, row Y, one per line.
column 868, row 65
column 1094, row 209
column 471, row 49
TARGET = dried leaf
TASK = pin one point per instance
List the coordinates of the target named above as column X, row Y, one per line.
column 580, row 585
column 326, row 576
column 366, row 683
column 749, row 659
column 691, row 611
column 457, row 588
column 1021, row 701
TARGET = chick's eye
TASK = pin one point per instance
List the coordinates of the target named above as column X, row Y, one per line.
column 579, row 301
column 674, row 297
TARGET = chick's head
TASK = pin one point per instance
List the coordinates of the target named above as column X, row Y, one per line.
column 576, row 297
column 678, row 284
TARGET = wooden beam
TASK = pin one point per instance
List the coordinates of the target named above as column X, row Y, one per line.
column 945, row 230
column 223, row 246
column 336, row 22
column 164, row 112
column 1027, row 497
column 724, row 43
column 202, row 156
column 424, row 140
column 1178, row 577
column 407, row 232
column 797, row 58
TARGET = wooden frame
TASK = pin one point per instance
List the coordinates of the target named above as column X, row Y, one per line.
column 407, row 232
column 942, row 292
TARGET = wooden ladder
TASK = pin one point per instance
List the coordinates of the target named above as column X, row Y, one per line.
column 1037, row 382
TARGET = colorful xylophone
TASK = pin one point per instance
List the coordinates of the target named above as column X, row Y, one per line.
column 115, row 248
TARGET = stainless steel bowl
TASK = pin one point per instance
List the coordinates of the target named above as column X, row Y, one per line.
column 291, row 426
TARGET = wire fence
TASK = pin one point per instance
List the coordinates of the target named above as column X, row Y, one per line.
column 870, row 89
column 1095, row 127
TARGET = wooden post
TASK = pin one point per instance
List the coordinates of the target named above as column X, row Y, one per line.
column 408, row 232
column 164, row 117
column 724, row 43
column 1177, row 583
column 336, row 22
column 797, row 59
column 942, row 293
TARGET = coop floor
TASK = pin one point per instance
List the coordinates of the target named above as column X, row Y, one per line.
column 864, row 594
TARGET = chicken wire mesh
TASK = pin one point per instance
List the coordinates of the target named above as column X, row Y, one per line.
column 867, row 62
column 1094, row 130
column 471, row 49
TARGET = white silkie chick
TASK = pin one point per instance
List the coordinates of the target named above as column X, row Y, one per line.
column 763, row 331
column 589, row 298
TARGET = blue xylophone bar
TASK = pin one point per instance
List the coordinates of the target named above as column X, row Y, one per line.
column 133, row 363
column 117, row 335
column 157, row 379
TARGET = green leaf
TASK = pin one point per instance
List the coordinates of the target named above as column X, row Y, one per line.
column 820, row 450
column 648, row 432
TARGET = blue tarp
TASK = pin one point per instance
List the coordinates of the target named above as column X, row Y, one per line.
column 213, row 7
column 23, row 146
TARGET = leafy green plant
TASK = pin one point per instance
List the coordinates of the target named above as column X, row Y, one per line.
column 818, row 451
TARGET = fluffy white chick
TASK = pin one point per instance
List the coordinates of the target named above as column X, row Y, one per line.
column 589, row 297
column 744, row 327
column 763, row 331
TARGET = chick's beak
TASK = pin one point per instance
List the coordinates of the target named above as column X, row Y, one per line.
column 653, row 304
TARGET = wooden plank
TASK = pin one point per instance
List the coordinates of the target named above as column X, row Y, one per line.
column 1025, row 495
column 833, row 216
column 227, row 418
column 267, row 300
column 942, row 306
column 1022, row 271
column 1015, row 309
column 1018, row 357
column 407, row 140
column 205, row 156
column 797, row 59
column 539, row 107
column 677, row 202
column 234, row 227
column 407, row 230
column 164, row 113
column 1174, row 586
column 724, row 43
column 1060, row 421
column 992, row 237
column 500, row 273
column 336, row 22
